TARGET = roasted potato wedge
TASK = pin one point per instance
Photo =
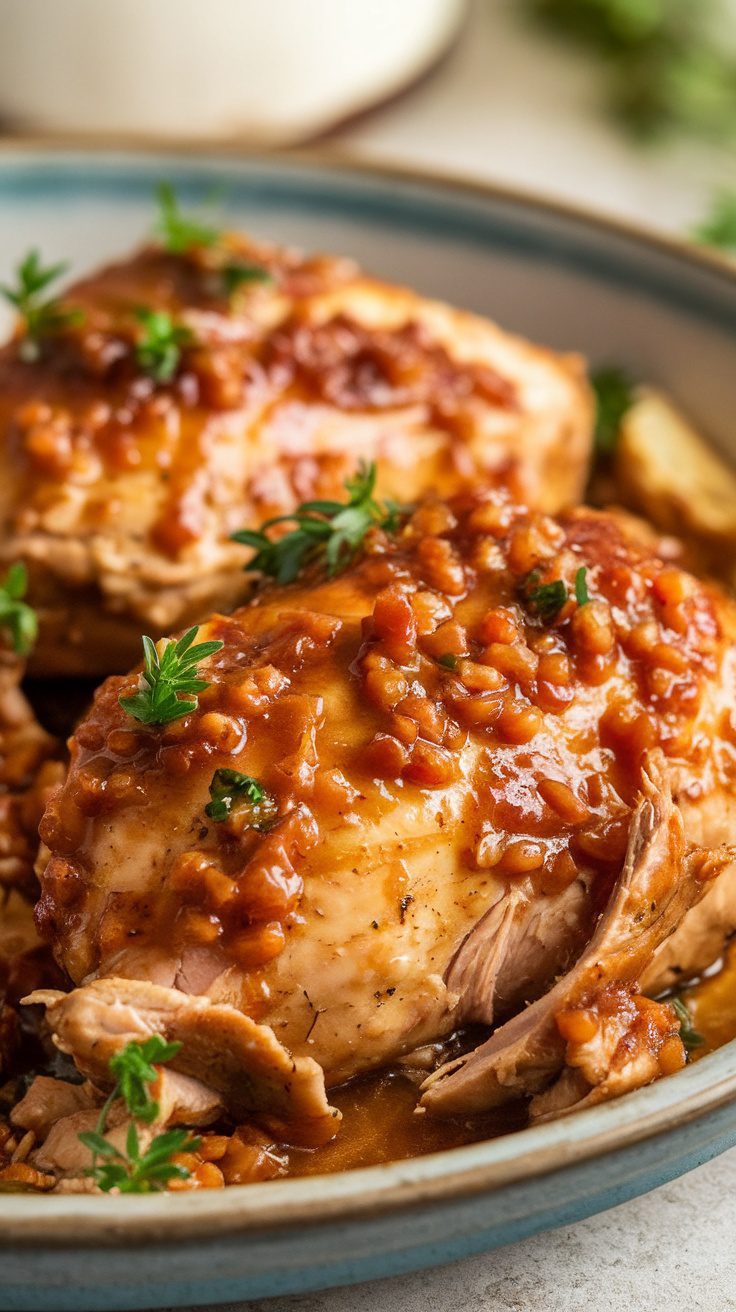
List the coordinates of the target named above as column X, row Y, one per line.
column 666, row 470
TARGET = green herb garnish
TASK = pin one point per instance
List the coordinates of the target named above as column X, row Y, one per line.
column 158, row 349
column 333, row 530
column 690, row 1037
column 719, row 227
column 449, row 660
column 237, row 274
column 15, row 614
column 614, row 396
column 545, row 599
column 178, row 232
column 230, row 790
column 169, row 682
column 582, row 596
column 663, row 63
column 134, row 1070
column 42, row 317
column 132, row 1171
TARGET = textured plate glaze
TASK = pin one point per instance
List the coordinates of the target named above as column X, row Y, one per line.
column 562, row 277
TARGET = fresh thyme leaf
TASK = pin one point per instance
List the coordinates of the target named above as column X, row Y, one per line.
column 132, row 1171
column 719, row 227
column 158, row 349
column 449, row 660
column 179, row 232
column 690, row 1037
column 582, row 596
column 42, row 317
column 15, row 614
column 166, row 1143
column 546, row 599
column 614, row 395
column 328, row 530
column 134, row 1070
column 97, row 1144
column 169, row 683
column 230, row 790
column 237, row 273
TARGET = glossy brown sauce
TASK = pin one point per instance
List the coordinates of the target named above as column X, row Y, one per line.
column 443, row 646
column 608, row 678
column 381, row 1124
column 712, row 1004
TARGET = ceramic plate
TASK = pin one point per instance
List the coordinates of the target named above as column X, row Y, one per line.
column 564, row 278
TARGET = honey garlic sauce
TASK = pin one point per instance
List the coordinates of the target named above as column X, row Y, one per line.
column 432, row 744
column 123, row 488
column 380, row 1123
column 711, row 1002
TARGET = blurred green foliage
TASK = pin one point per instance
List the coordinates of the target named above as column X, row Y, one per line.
column 718, row 228
column 665, row 65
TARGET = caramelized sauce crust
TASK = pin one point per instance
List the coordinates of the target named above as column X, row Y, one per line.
column 438, row 677
column 95, row 416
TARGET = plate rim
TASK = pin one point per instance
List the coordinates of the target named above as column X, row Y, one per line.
column 660, row 1109
column 342, row 161
column 657, row 1110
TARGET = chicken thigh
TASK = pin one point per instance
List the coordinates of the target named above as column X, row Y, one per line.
column 184, row 395
column 453, row 753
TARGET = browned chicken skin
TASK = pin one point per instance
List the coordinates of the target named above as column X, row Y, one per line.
column 120, row 491
column 455, row 776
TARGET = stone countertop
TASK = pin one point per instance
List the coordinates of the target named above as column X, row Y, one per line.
column 669, row 1251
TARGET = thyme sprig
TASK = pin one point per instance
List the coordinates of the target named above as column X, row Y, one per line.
column 547, row 599
column 132, row 1171
column 332, row 531
column 614, row 396
column 159, row 347
column 230, row 791
column 16, row 615
column 170, row 681
column 179, row 232
column 42, row 316
column 134, row 1069
column 240, row 273
column 691, row 1038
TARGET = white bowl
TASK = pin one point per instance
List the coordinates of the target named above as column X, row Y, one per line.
column 268, row 70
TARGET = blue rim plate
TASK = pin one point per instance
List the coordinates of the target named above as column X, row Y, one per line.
column 566, row 278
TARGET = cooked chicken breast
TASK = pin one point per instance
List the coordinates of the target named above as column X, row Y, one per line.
column 458, row 744
column 122, row 484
